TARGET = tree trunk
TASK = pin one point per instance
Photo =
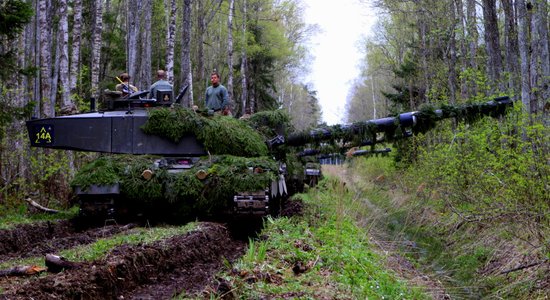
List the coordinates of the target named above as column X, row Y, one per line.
column 492, row 43
column 473, row 37
column 144, row 79
column 56, row 59
column 512, row 48
column 56, row 264
column 230, row 51
column 424, row 57
column 75, row 55
column 462, row 21
column 244, row 65
column 133, row 27
column 170, row 41
column 67, row 104
column 48, row 108
column 452, row 78
column 374, row 102
column 21, row 271
column 541, row 26
column 96, row 48
column 523, row 41
column 187, row 72
column 201, row 33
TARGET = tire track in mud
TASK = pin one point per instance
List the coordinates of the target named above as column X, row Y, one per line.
column 160, row 270
column 38, row 239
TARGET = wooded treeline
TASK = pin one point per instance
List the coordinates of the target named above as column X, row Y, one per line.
column 451, row 51
column 59, row 54
column 483, row 187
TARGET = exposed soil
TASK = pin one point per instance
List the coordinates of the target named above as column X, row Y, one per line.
column 49, row 237
column 185, row 263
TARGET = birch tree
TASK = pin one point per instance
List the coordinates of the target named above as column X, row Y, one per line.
column 230, row 51
column 75, row 52
column 47, row 107
column 66, row 102
column 96, row 47
column 244, row 64
column 187, row 72
column 170, row 41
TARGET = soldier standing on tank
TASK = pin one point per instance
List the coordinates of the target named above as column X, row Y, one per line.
column 217, row 99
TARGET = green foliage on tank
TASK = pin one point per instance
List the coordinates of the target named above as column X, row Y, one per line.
column 185, row 191
column 219, row 134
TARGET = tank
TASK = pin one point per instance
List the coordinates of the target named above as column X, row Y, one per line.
column 163, row 161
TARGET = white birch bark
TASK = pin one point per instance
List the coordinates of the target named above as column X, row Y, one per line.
column 96, row 48
column 48, row 108
column 187, row 72
column 244, row 83
column 230, row 51
column 75, row 53
column 67, row 104
column 170, row 41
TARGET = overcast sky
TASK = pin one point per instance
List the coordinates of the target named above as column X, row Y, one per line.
column 335, row 50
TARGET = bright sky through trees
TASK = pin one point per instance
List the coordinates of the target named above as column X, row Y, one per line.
column 336, row 50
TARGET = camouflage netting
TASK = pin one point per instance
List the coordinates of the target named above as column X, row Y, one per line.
column 219, row 134
column 184, row 192
column 426, row 119
column 271, row 123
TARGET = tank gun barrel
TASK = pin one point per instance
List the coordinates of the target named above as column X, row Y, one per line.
column 408, row 122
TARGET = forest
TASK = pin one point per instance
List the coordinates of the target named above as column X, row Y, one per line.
column 477, row 205
column 57, row 55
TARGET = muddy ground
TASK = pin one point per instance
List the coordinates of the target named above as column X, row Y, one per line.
column 185, row 263
column 50, row 237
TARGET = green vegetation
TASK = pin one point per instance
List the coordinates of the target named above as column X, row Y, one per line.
column 183, row 193
column 473, row 207
column 218, row 134
column 101, row 247
column 19, row 215
column 325, row 254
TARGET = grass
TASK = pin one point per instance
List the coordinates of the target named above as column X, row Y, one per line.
column 101, row 247
column 326, row 254
column 471, row 257
column 16, row 216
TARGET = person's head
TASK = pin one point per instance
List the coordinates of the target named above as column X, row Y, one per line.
column 124, row 77
column 215, row 78
column 161, row 74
